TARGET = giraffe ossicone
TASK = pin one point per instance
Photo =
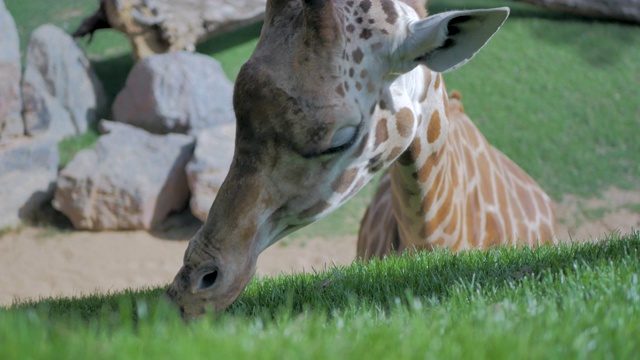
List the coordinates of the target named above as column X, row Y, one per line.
column 336, row 91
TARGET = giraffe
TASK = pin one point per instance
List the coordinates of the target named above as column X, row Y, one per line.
column 467, row 173
column 334, row 92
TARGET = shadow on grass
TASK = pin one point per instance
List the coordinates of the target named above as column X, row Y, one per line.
column 601, row 44
column 435, row 276
column 113, row 72
column 229, row 40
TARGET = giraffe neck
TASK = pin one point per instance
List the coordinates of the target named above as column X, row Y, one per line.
column 424, row 179
column 451, row 188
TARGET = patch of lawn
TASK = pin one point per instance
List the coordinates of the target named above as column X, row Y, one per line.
column 580, row 301
column 69, row 147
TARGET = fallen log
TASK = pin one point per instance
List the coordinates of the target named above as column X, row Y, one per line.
column 622, row 10
column 160, row 26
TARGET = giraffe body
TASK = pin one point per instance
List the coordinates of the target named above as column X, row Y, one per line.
column 336, row 91
column 474, row 197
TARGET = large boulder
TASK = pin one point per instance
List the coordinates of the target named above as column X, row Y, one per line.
column 209, row 166
column 61, row 92
column 28, row 171
column 130, row 180
column 177, row 92
column 11, row 124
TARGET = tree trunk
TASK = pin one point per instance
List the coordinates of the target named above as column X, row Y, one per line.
column 623, row 10
column 158, row 26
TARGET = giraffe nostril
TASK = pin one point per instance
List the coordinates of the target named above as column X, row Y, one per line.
column 208, row 280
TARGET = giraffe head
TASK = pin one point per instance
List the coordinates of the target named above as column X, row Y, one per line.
column 313, row 105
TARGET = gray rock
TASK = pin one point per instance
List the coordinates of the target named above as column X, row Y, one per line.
column 176, row 92
column 28, row 171
column 11, row 124
column 61, row 92
column 209, row 166
column 130, row 180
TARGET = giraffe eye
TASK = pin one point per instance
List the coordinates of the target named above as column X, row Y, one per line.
column 342, row 138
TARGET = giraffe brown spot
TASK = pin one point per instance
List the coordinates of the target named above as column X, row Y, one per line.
column 359, row 20
column 342, row 184
column 374, row 161
column 542, row 207
column 365, row 5
column 484, row 168
column 351, row 72
column 382, row 134
column 433, row 130
column 493, row 229
column 395, row 152
column 377, row 46
column 408, row 157
column 363, row 145
column 350, row 3
column 452, row 225
column 382, row 104
column 340, row 90
column 471, row 218
column 358, row 55
column 355, row 189
column 503, row 204
column 366, row 34
column 346, row 86
column 427, row 168
column 404, row 122
column 351, row 28
column 443, row 211
column 364, row 73
column 454, row 174
column 390, row 10
column 469, row 161
column 358, row 85
column 371, row 87
column 430, row 196
column 315, row 209
column 438, row 81
column 527, row 202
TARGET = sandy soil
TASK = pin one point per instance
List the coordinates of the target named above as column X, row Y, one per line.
column 43, row 262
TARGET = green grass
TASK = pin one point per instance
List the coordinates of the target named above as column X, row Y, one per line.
column 579, row 301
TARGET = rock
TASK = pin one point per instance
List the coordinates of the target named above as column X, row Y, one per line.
column 61, row 92
column 209, row 166
column 130, row 180
column 177, row 92
column 28, row 171
column 11, row 124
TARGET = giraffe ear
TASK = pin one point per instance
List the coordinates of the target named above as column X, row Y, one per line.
column 446, row 41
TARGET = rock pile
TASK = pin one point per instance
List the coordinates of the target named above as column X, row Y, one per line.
column 137, row 172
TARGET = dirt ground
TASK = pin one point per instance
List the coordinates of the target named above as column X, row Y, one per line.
column 42, row 262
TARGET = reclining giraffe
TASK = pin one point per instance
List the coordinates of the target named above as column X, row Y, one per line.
column 336, row 91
